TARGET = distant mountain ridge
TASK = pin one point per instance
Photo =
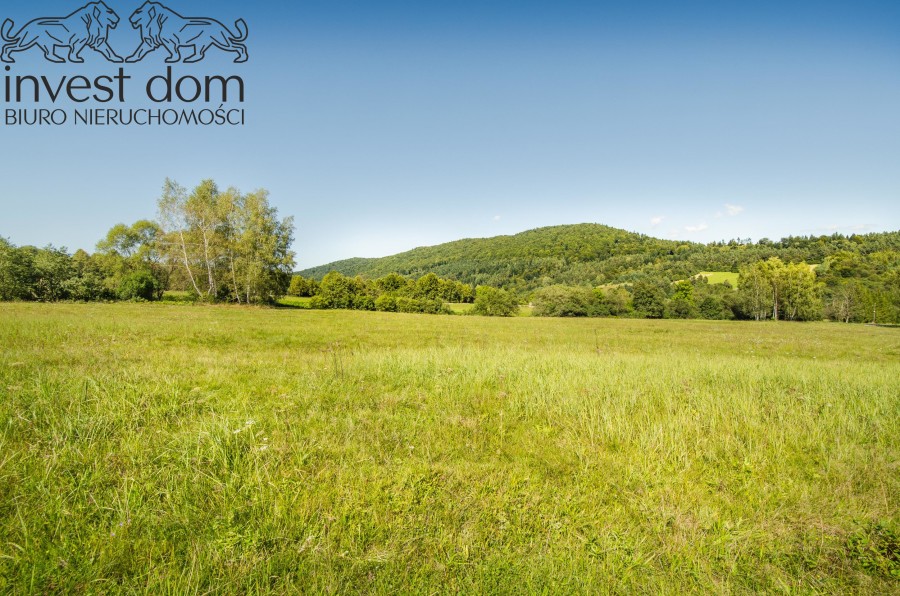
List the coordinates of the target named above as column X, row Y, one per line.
column 592, row 254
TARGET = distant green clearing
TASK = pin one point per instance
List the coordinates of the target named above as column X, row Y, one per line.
column 720, row 277
column 295, row 301
column 460, row 307
column 153, row 448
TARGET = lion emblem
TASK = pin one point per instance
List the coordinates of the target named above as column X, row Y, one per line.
column 163, row 27
column 87, row 27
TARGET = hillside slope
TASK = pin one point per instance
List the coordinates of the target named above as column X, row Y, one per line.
column 593, row 254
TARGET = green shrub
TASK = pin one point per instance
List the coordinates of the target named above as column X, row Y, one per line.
column 303, row 287
column 649, row 299
column 494, row 302
column 363, row 302
column 876, row 548
column 139, row 285
column 564, row 301
column 713, row 307
column 85, row 288
column 405, row 304
column 386, row 303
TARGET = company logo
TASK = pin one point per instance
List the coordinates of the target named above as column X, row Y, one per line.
column 159, row 27
column 163, row 27
column 118, row 98
column 86, row 27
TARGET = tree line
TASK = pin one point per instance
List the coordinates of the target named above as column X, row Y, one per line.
column 394, row 293
column 216, row 245
column 596, row 255
column 766, row 290
column 390, row 293
column 760, row 286
column 226, row 246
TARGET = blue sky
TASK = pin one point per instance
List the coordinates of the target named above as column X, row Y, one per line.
column 381, row 126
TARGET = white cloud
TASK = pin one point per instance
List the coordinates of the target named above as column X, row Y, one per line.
column 698, row 228
column 733, row 210
column 655, row 221
column 497, row 218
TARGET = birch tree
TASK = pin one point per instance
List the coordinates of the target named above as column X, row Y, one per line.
column 755, row 290
column 177, row 233
column 786, row 291
column 230, row 246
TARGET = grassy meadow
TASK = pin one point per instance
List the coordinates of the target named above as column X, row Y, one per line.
column 186, row 449
column 720, row 277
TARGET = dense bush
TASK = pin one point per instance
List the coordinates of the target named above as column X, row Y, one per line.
column 303, row 287
column 494, row 302
column 649, row 299
column 386, row 303
column 694, row 298
column 50, row 274
column 139, row 285
column 391, row 293
column 565, row 301
column 714, row 307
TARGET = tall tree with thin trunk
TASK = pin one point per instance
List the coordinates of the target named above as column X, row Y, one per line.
column 176, row 229
column 231, row 246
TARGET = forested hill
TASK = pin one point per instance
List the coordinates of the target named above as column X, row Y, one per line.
column 594, row 254
column 496, row 261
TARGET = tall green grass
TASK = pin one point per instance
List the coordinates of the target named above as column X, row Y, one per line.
column 163, row 449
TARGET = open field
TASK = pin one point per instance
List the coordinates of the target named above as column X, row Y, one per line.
column 720, row 277
column 188, row 449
